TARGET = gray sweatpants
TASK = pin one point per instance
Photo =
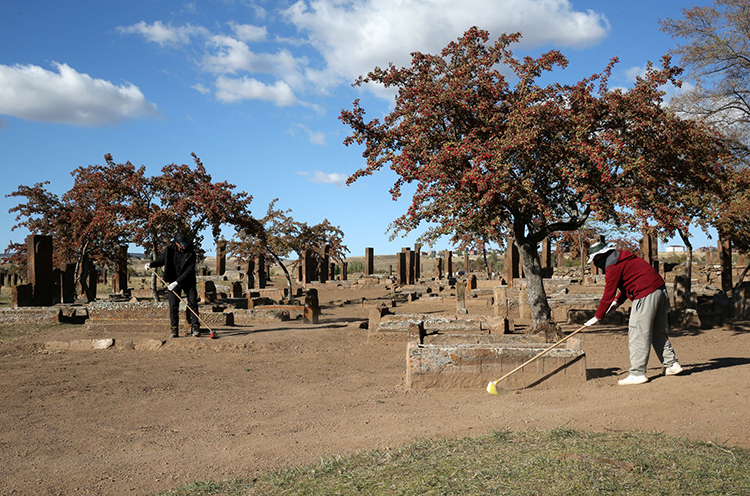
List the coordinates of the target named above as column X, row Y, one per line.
column 648, row 325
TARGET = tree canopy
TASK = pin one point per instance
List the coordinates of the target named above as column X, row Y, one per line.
column 521, row 158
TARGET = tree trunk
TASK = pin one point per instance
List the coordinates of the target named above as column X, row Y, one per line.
column 286, row 272
column 688, row 266
column 486, row 265
column 532, row 267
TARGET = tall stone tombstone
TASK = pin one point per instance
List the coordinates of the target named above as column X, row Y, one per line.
column 409, row 257
column 39, row 268
column 467, row 266
column 369, row 261
column 260, row 272
column 250, row 275
column 546, row 254
column 401, row 278
column 511, row 264
column 93, row 280
column 308, row 264
column 56, row 286
column 448, row 264
column 325, row 264
column 332, row 272
column 725, row 258
column 417, row 261
column 68, row 283
column 221, row 258
column 461, row 298
column 438, row 268
column 344, row 269
column 120, row 279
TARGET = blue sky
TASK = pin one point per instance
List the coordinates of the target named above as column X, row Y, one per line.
column 255, row 88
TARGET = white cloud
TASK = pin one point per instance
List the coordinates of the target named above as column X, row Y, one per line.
column 68, row 97
column 248, row 32
column 231, row 90
column 315, row 137
column 164, row 35
column 349, row 38
column 356, row 36
column 330, row 178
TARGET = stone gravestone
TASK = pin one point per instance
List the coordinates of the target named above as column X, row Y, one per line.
column 369, row 261
column 39, row 268
column 221, row 258
column 260, row 272
column 311, row 313
column 438, row 268
column 401, row 277
column 417, row 261
column 250, row 275
column 448, row 264
column 461, row 298
column 208, row 292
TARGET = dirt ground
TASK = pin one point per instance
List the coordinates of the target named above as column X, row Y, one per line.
column 265, row 396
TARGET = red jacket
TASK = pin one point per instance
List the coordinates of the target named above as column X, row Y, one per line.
column 633, row 276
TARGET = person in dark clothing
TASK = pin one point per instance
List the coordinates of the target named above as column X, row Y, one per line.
column 648, row 324
column 179, row 260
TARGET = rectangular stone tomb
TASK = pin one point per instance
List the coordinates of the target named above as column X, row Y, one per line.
column 473, row 366
column 145, row 316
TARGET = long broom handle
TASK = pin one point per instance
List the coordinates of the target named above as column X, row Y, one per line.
column 540, row 354
column 183, row 301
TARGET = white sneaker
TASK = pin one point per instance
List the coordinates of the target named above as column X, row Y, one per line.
column 673, row 369
column 632, row 380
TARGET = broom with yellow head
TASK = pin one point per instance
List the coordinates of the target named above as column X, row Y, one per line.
column 492, row 386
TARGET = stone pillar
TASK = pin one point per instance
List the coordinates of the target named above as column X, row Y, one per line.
column 559, row 251
column 311, row 313
column 409, row 258
column 417, row 261
column 448, row 264
column 221, row 258
column 461, row 298
column 332, row 272
column 68, row 282
column 93, row 279
column 250, row 275
column 438, row 268
column 308, row 264
column 725, row 258
column 467, row 267
column 236, row 289
column 401, row 270
column 369, row 261
column 39, row 268
column 56, row 286
column 546, row 255
column 344, row 269
column 260, row 271
column 324, row 264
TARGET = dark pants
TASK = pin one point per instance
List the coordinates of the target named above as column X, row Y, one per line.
column 191, row 295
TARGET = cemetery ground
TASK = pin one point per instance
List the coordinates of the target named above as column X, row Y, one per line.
column 277, row 394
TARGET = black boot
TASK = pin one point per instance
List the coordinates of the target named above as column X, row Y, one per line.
column 196, row 330
column 174, row 332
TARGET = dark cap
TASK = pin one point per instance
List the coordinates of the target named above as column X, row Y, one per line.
column 182, row 240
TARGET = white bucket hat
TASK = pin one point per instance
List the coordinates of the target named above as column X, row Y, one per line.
column 600, row 248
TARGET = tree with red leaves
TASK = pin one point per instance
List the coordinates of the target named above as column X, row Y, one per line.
column 533, row 159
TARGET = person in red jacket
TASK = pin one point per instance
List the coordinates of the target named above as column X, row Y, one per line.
column 641, row 283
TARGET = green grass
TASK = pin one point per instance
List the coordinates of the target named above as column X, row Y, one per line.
column 561, row 461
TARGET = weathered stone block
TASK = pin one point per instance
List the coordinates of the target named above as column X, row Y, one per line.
column 474, row 366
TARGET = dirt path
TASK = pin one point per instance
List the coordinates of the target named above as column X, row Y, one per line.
column 139, row 422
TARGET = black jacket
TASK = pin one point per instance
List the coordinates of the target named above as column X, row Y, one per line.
column 178, row 266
